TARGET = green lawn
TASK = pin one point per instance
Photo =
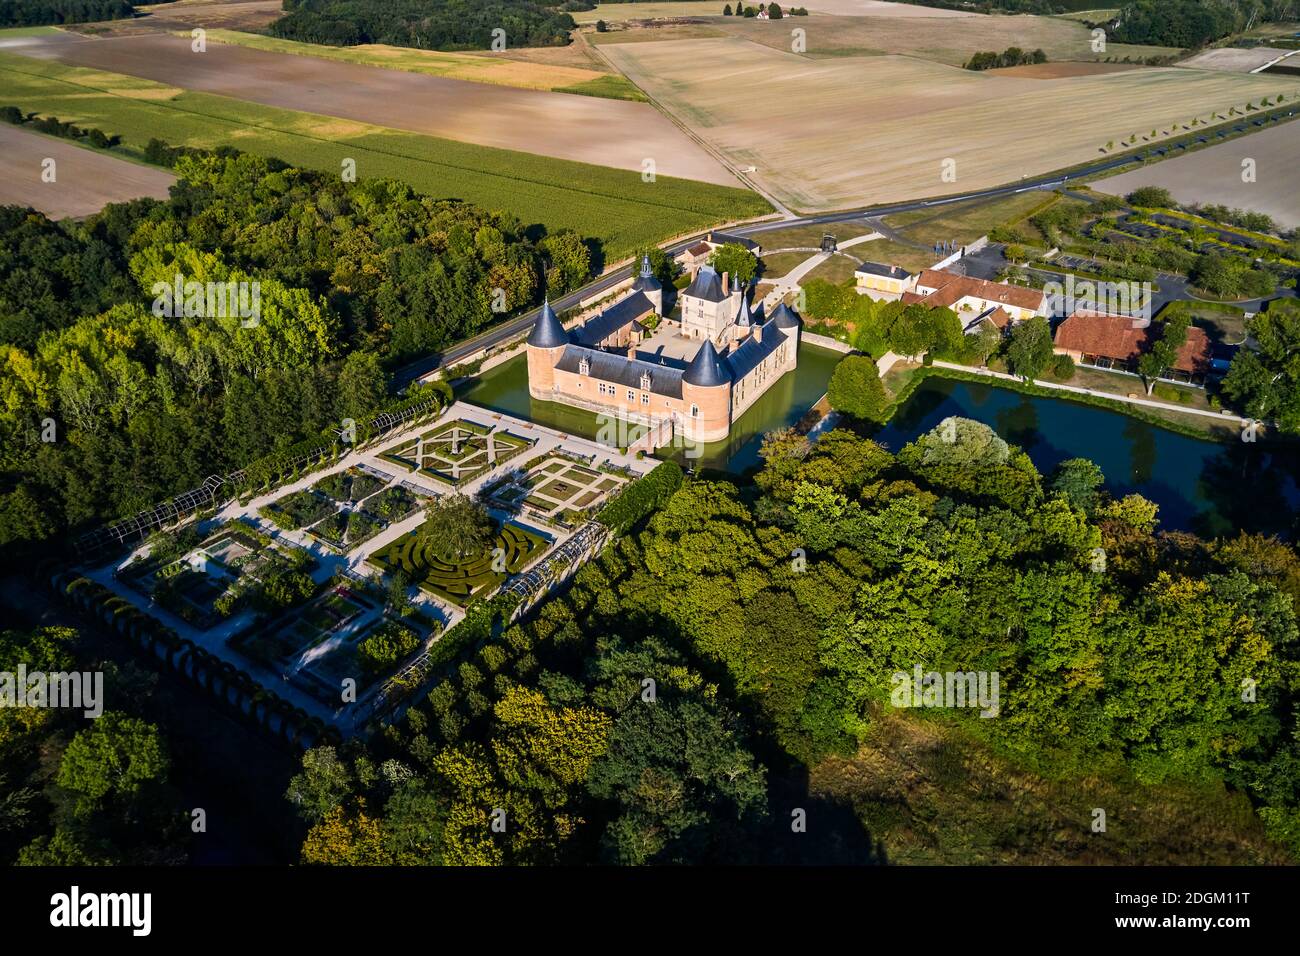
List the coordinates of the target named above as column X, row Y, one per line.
column 611, row 205
column 967, row 221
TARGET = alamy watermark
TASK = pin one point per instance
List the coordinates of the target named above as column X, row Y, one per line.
column 923, row 688
column 179, row 299
column 1132, row 299
column 79, row 690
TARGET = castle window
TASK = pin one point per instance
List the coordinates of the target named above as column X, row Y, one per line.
column 645, row 398
column 631, row 395
column 695, row 411
column 584, row 366
column 645, row 381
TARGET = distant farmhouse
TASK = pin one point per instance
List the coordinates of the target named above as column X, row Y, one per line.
column 690, row 376
column 1115, row 343
column 974, row 300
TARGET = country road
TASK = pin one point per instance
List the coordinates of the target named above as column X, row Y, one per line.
column 614, row 275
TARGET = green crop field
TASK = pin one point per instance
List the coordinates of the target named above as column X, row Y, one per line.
column 611, row 205
column 459, row 580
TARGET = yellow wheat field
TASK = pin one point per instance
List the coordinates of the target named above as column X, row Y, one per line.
column 842, row 133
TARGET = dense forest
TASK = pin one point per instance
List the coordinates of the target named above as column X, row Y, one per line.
column 78, row 791
column 107, row 406
column 424, row 24
column 22, row 13
column 729, row 666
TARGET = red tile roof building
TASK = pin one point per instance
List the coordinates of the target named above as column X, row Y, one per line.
column 1114, row 341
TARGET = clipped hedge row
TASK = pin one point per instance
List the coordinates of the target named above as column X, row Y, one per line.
column 233, row 689
column 641, row 498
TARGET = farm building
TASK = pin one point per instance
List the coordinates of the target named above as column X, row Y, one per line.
column 1115, row 342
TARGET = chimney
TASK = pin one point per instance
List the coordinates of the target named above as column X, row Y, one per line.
column 726, row 285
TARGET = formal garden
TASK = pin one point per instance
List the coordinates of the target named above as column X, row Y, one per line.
column 457, row 451
column 460, row 579
column 350, row 486
column 298, row 510
column 206, row 581
column 555, row 488
column 344, row 633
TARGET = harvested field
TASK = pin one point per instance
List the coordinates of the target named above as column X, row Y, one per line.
column 187, row 14
column 611, row 205
column 881, row 8
column 622, row 12
column 87, row 179
column 1056, row 71
column 1213, row 175
column 949, row 41
column 498, row 71
column 1232, row 59
column 581, row 128
column 844, row 133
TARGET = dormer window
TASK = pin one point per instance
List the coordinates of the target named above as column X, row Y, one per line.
column 645, row 381
column 584, row 366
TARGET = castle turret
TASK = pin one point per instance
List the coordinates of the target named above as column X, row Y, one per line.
column 706, row 388
column 788, row 321
column 648, row 284
column 546, row 344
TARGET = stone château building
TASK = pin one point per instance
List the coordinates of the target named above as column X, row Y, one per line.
column 691, row 376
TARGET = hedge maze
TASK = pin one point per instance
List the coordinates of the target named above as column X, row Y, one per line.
column 460, row 580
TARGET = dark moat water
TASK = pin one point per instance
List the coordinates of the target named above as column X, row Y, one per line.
column 1206, row 486
column 1211, row 487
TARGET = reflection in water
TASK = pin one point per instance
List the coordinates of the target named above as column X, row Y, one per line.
column 1205, row 486
column 1142, row 442
column 1209, row 487
column 505, row 389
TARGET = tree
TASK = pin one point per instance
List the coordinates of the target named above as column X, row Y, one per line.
column 774, row 11
column 322, row 786
column 1151, row 197
column 1265, row 381
column 456, row 527
column 855, row 388
column 114, row 758
column 1079, row 481
column 601, row 27
column 361, row 386
column 1030, row 348
column 1164, row 351
column 733, row 258
column 726, row 11
column 570, row 261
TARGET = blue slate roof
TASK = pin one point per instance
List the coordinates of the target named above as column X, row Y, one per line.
column 623, row 312
column 646, row 281
column 706, row 369
column 750, row 353
column 785, row 317
column 547, row 331
column 706, row 285
column 609, row 367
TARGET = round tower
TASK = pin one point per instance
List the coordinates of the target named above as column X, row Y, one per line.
column 546, row 344
column 706, row 391
column 648, row 284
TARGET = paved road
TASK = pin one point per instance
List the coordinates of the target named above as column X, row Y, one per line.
column 513, row 327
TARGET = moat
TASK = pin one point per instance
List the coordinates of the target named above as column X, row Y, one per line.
column 1201, row 485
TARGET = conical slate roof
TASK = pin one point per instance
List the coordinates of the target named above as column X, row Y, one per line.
column 785, row 317
column 706, row 368
column 646, row 281
column 547, row 331
column 744, row 319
